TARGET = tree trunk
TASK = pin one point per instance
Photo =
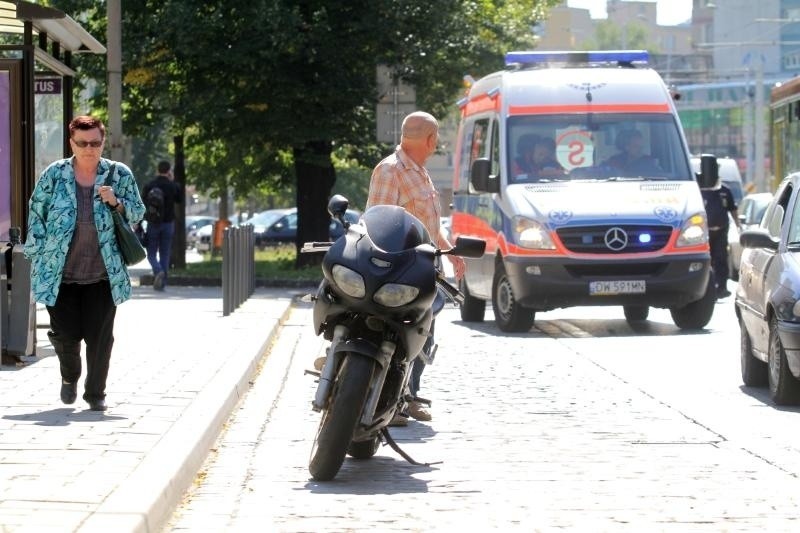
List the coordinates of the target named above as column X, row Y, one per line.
column 315, row 179
column 179, row 171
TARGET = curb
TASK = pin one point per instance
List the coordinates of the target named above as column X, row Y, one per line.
column 198, row 281
column 144, row 502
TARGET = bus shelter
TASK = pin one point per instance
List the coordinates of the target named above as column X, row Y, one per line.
column 37, row 45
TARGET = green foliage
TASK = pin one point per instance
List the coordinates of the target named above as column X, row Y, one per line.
column 275, row 263
column 253, row 84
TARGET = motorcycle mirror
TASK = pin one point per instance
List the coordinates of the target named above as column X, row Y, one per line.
column 468, row 247
column 337, row 206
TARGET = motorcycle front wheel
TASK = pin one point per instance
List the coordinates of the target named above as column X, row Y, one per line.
column 340, row 417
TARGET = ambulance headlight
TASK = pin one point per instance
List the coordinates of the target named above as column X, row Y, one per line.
column 532, row 234
column 349, row 281
column 694, row 231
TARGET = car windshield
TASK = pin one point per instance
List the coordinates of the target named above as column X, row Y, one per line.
column 600, row 146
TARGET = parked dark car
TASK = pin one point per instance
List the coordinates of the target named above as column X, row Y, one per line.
column 274, row 226
column 768, row 297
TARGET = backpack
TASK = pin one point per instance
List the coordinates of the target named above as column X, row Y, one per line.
column 154, row 204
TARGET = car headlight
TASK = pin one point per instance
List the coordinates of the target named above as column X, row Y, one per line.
column 349, row 281
column 694, row 231
column 532, row 234
column 395, row 294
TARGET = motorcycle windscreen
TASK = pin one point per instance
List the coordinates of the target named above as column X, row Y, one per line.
column 393, row 229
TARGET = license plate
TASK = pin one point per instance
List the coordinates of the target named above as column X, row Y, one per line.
column 627, row 286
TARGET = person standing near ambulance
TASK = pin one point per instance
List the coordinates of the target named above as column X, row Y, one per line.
column 160, row 196
column 401, row 179
column 719, row 202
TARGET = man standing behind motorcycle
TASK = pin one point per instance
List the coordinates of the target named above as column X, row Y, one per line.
column 401, row 179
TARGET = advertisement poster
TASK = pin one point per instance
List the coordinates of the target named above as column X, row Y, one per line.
column 5, row 155
column 49, row 107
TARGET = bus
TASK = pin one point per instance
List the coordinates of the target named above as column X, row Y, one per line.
column 785, row 129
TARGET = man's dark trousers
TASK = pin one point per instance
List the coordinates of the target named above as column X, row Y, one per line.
column 159, row 241
column 718, row 242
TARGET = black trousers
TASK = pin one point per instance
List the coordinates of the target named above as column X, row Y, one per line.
column 718, row 242
column 84, row 313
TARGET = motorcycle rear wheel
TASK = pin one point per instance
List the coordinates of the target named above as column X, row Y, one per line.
column 340, row 417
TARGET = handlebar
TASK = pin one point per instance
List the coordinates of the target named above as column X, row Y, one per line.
column 456, row 295
column 315, row 247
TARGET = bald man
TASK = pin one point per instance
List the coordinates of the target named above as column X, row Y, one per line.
column 401, row 179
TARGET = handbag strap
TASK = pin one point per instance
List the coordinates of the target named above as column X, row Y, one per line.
column 109, row 179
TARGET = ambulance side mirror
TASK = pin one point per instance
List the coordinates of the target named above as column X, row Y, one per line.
column 480, row 178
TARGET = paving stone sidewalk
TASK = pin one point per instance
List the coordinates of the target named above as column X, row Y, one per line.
column 177, row 370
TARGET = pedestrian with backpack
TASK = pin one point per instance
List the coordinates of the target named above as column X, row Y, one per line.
column 160, row 196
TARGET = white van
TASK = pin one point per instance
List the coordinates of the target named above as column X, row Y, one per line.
column 595, row 225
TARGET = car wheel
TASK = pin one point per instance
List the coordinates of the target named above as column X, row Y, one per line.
column 754, row 371
column 696, row 315
column 509, row 315
column 636, row 313
column 784, row 388
column 473, row 309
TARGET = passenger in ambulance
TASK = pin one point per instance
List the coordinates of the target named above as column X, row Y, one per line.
column 537, row 159
column 631, row 157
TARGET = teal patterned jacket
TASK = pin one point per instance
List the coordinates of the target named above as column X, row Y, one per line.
column 52, row 216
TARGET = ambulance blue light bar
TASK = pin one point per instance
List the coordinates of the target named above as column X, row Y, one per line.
column 597, row 56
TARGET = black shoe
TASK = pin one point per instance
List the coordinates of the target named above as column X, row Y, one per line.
column 97, row 405
column 723, row 293
column 69, row 391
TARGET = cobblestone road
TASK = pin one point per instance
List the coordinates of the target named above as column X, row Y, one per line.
column 533, row 434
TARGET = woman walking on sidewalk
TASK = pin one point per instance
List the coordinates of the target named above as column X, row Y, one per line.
column 77, row 270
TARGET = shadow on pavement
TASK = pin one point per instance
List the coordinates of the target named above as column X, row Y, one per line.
column 762, row 395
column 588, row 328
column 378, row 475
column 62, row 416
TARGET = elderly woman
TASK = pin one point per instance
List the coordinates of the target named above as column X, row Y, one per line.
column 77, row 270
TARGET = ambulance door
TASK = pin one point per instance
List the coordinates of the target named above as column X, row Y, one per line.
column 480, row 218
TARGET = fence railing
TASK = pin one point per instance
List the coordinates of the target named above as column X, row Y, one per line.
column 238, row 267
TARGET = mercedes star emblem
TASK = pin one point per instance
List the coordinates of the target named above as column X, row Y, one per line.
column 616, row 239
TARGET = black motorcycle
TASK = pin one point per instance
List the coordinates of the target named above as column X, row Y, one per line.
column 381, row 290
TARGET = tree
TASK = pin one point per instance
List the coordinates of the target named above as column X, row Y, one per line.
column 258, row 85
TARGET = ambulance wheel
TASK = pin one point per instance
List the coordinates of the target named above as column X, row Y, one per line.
column 697, row 314
column 509, row 315
column 473, row 309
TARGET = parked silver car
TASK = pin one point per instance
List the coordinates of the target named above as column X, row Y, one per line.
column 751, row 211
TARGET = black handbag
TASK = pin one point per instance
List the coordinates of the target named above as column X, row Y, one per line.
column 129, row 245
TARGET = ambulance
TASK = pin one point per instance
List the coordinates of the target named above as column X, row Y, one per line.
column 574, row 168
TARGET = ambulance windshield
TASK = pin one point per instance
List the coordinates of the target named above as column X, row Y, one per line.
column 602, row 146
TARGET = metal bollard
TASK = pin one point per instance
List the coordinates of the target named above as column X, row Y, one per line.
column 5, row 255
column 238, row 267
column 22, row 310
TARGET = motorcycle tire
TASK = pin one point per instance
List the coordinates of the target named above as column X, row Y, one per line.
column 364, row 449
column 340, row 417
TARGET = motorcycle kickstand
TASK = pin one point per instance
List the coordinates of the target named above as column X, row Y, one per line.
column 393, row 445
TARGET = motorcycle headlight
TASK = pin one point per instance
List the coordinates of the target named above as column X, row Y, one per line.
column 532, row 234
column 694, row 231
column 349, row 281
column 395, row 295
